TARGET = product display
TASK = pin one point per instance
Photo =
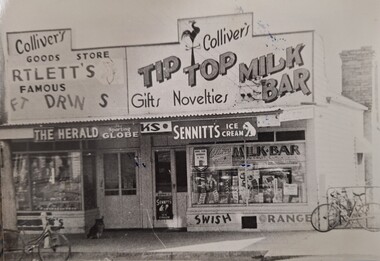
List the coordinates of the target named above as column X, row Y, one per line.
column 254, row 181
column 51, row 182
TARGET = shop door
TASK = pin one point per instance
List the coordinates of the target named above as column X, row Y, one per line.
column 122, row 199
column 170, row 188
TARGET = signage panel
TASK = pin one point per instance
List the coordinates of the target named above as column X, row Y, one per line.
column 156, row 127
column 47, row 80
column 219, row 65
column 212, row 130
column 121, row 131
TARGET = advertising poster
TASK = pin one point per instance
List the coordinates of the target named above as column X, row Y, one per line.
column 200, row 159
column 164, row 207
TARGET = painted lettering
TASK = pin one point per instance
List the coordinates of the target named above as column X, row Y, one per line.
column 53, row 73
column 208, row 97
column 166, row 68
column 224, row 36
column 212, row 219
column 266, row 150
column 36, row 42
column 104, row 98
column 62, row 101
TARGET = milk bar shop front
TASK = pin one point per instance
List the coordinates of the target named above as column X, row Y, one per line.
column 213, row 132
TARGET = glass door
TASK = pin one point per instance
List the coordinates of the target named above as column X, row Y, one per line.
column 170, row 181
column 122, row 199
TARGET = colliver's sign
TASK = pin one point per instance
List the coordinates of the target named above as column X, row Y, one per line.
column 220, row 65
column 46, row 79
column 221, row 129
column 86, row 133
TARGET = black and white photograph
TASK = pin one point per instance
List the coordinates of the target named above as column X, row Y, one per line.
column 189, row 130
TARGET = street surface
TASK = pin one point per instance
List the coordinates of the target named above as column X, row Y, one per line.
column 336, row 245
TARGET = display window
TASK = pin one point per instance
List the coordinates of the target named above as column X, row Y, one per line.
column 48, row 181
column 248, row 173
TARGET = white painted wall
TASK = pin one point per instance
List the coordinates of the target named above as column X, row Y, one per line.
column 336, row 126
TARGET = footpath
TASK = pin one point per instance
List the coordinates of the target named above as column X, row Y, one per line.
column 347, row 245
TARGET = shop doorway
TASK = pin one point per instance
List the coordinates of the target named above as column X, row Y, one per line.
column 170, row 188
column 121, row 193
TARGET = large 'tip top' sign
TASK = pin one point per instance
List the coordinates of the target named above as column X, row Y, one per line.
column 217, row 65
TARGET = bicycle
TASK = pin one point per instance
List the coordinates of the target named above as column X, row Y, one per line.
column 49, row 244
column 342, row 211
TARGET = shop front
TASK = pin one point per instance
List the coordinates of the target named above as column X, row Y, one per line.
column 214, row 132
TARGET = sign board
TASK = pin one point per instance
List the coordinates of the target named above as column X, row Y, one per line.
column 217, row 65
column 211, row 130
column 120, row 131
column 155, row 127
column 280, row 153
column 46, row 79
column 291, row 189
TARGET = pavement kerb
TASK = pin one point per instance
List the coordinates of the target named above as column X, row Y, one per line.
column 217, row 255
column 191, row 255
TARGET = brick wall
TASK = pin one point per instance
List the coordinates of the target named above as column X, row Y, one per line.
column 357, row 75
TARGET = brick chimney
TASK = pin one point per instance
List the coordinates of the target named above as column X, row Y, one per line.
column 357, row 75
column 359, row 83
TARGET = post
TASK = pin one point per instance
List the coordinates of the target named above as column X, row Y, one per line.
column 9, row 217
column 8, row 193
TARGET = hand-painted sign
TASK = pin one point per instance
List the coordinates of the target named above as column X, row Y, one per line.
column 86, row 133
column 46, row 79
column 156, row 127
column 278, row 152
column 228, row 129
column 164, row 207
column 285, row 218
column 218, row 64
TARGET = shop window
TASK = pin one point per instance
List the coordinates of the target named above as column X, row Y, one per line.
column 290, row 135
column 19, row 146
column 89, row 180
column 163, row 172
column 248, row 174
column 111, row 174
column 265, row 136
column 120, row 174
column 67, row 145
column 180, row 162
column 128, row 174
column 21, row 177
column 41, row 146
column 48, row 181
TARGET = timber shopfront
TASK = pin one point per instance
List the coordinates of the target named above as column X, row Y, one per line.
column 214, row 132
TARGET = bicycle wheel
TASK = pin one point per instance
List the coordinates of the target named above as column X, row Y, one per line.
column 59, row 248
column 324, row 218
column 369, row 217
column 13, row 245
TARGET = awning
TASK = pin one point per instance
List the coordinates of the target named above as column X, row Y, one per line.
column 362, row 145
column 253, row 111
